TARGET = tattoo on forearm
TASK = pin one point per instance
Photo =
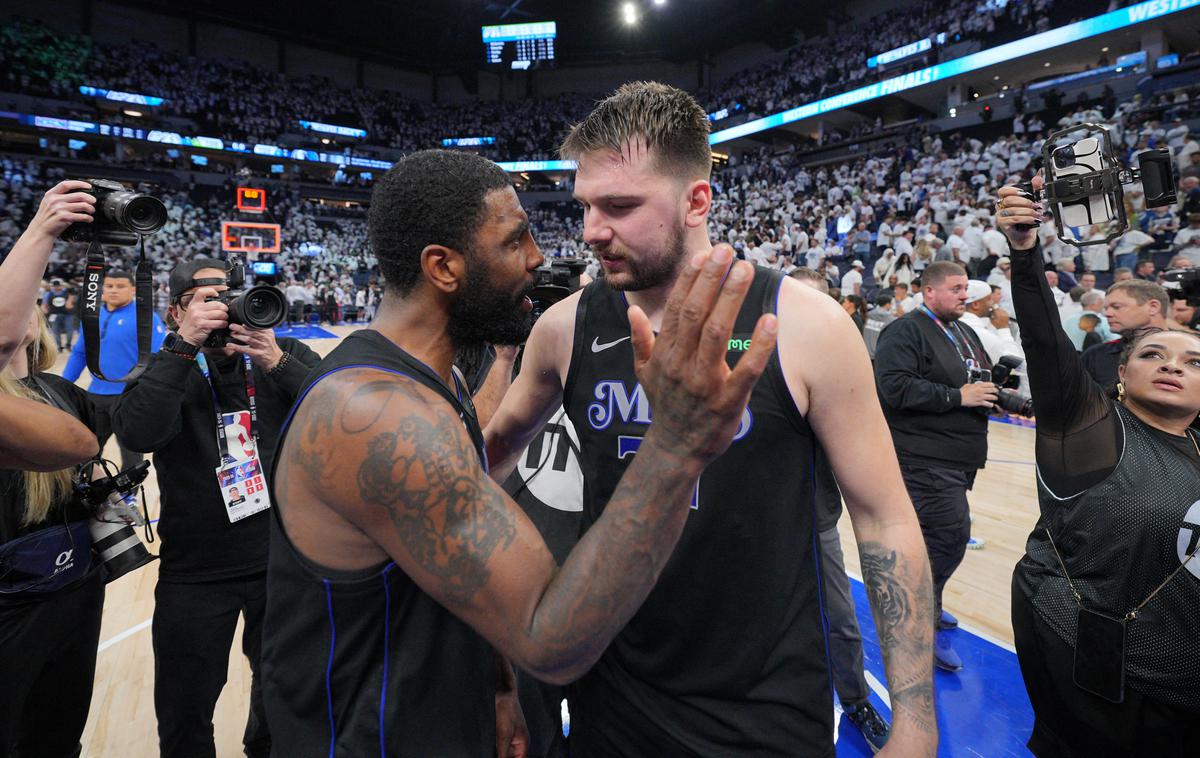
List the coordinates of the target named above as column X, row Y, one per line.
column 889, row 598
column 901, row 596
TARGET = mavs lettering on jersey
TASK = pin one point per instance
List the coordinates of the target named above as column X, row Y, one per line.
column 614, row 399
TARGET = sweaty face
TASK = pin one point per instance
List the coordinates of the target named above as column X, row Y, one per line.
column 633, row 217
column 493, row 304
column 1163, row 372
column 1124, row 314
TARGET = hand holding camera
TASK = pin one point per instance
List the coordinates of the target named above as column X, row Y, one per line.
column 205, row 315
column 64, row 204
column 259, row 344
column 979, row 395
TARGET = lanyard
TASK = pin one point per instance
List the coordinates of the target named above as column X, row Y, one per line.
column 968, row 355
column 222, row 442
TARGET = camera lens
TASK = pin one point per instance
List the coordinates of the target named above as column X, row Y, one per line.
column 1064, row 157
column 260, row 308
column 136, row 212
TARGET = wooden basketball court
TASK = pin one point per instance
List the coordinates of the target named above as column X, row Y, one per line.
column 122, row 725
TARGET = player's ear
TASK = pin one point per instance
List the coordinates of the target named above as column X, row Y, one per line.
column 699, row 202
column 444, row 267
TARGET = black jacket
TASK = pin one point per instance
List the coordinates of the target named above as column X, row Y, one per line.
column 168, row 411
column 918, row 373
column 1101, row 361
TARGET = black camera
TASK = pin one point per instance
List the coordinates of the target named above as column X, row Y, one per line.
column 1006, row 381
column 554, row 282
column 122, row 216
column 1183, row 284
column 260, row 307
column 112, row 502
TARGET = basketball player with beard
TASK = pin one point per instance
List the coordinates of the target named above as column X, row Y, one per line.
column 726, row 656
column 398, row 568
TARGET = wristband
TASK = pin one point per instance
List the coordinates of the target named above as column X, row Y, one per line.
column 279, row 366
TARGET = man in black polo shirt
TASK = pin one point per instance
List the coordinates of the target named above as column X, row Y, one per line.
column 214, row 545
column 937, row 413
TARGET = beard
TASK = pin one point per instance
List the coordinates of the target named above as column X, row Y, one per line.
column 651, row 272
column 485, row 314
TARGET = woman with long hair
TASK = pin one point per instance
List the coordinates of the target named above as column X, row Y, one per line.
column 902, row 269
column 1106, row 600
column 51, row 591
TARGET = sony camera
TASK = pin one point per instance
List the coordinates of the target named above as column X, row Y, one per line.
column 122, row 216
column 260, row 307
column 113, row 503
column 554, row 281
column 1084, row 181
column 1006, row 381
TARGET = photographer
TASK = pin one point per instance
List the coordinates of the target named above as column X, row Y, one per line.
column 214, row 551
column 1106, row 600
column 51, row 590
column 927, row 368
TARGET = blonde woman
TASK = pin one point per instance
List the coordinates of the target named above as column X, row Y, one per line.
column 51, row 592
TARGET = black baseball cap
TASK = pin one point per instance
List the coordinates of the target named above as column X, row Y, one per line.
column 183, row 276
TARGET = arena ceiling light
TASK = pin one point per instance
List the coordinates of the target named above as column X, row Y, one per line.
column 1119, row 19
column 629, row 14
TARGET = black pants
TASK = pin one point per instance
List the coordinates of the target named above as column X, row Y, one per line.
column 104, row 405
column 940, row 498
column 845, row 639
column 47, row 667
column 1071, row 723
column 193, row 629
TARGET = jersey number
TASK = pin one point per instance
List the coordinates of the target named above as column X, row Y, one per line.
column 628, row 446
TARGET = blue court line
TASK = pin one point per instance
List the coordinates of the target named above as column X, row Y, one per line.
column 304, row 332
column 982, row 710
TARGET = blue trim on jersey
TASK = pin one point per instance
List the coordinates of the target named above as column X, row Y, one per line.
column 329, row 667
column 387, row 623
column 817, row 553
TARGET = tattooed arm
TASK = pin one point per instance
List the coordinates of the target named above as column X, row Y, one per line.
column 390, row 456
column 894, row 562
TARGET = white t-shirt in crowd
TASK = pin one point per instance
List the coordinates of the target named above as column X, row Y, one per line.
column 851, row 278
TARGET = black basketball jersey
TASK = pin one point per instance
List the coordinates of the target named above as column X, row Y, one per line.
column 727, row 655
column 365, row 663
column 1159, row 527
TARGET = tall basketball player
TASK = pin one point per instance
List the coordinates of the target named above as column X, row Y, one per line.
column 726, row 656
column 397, row 565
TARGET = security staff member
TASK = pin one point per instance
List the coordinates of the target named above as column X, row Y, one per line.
column 937, row 411
column 214, row 550
column 118, row 354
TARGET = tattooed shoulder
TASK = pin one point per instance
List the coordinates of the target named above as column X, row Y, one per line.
column 394, row 445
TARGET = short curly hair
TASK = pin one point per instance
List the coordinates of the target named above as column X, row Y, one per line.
column 431, row 197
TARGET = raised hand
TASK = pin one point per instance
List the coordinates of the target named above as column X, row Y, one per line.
column 696, row 400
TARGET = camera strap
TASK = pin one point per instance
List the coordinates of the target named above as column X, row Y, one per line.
column 222, row 439
column 89, row 310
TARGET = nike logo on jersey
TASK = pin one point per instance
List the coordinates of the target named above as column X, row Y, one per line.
column 600, row 347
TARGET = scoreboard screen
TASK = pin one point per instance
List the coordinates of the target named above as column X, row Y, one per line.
column 520, row 43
